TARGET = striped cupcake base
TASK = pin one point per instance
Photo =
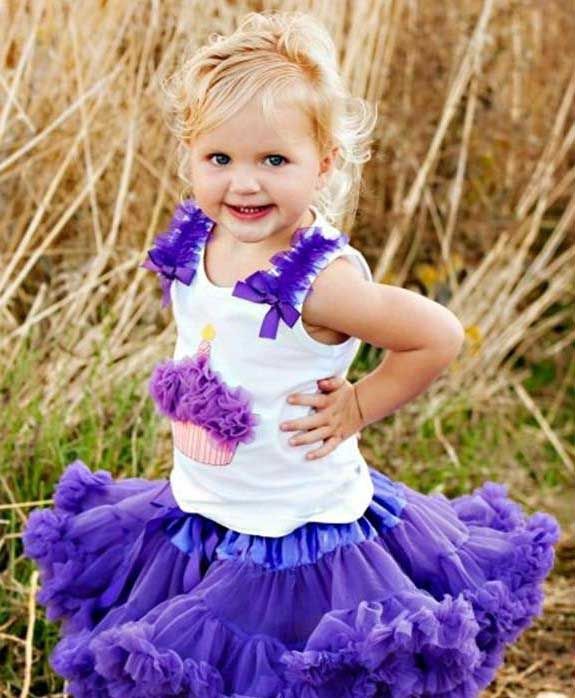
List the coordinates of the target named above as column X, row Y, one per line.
column 195, row 442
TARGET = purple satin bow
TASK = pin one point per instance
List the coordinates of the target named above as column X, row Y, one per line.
column 183, row 274
column 262, row 288
column 168, row 273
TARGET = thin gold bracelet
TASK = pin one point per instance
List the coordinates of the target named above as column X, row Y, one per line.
column 358, row 405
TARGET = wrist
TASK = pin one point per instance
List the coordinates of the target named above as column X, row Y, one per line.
column 358, row 406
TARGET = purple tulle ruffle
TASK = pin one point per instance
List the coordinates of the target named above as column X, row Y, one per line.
column 188, row 390
column 309, row 253
column 418, row 598
column 176, row 252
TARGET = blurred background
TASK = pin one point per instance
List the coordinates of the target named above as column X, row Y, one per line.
column 469, row 198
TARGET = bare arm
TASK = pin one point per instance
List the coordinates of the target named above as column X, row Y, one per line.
column 422, row 337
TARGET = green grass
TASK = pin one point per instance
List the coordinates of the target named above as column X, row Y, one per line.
column 116, row 432
column 487, row 446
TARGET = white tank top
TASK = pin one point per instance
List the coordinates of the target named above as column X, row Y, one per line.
column 240, row 351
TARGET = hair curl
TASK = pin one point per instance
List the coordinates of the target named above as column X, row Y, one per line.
column 274, row 54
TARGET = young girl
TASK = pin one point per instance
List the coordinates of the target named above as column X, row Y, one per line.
column 274, row 562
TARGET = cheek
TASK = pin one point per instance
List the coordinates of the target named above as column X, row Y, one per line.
column 208, row 182
column 300, row 193
column 295, row 184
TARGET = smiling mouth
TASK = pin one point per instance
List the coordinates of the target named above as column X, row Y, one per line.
column 249, row 209
column 249, row 213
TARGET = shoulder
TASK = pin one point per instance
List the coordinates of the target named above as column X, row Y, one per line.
column 348, row 267
column 337, row 290
column 339, row 278
column 343, row 299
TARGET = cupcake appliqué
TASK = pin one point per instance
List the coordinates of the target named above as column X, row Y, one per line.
column 209, row 418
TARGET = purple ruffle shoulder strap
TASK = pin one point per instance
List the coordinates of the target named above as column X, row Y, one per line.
column 176, row 252
column 285, row 287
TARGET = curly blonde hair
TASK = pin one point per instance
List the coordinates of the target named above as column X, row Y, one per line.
column 271, row 55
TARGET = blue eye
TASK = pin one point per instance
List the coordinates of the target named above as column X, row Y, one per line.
column 277, row 156
column 218, row 155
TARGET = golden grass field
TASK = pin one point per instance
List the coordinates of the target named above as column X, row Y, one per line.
column 469, row 198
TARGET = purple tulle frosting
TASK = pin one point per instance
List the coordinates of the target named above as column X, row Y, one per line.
column 188, row 390
column 176, row 252
column 418, row 598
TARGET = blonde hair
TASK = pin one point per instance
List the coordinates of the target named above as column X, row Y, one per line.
column 271, row 54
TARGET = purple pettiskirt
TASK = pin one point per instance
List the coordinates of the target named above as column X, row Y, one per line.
column 418, row 597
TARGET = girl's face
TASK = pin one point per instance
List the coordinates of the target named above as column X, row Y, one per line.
column 245, row 162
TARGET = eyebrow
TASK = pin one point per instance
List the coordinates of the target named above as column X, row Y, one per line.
column 263, row 152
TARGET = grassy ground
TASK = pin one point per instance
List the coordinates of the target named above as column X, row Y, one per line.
column 126, row 437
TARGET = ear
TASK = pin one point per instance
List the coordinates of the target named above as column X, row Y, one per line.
column 326, row 165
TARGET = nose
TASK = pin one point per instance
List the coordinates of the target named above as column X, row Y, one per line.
column 244, row 181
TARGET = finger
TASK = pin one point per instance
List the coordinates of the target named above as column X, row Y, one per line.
column 331, row 383
column 313, row 399
column 310, row 437
column 317, row 419
column 329, row 446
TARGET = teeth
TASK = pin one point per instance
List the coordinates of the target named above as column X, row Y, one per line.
column 250, row 209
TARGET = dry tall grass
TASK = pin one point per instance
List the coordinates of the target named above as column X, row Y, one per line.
column 469, row 197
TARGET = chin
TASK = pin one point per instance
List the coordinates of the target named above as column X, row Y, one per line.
column 251, row 239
